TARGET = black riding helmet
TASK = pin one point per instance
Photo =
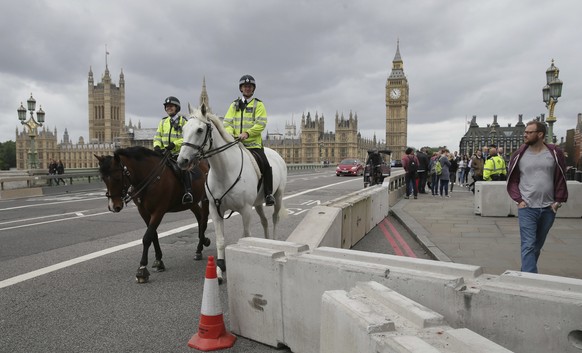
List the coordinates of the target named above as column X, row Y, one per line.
column 247, row 79
column 172, row 100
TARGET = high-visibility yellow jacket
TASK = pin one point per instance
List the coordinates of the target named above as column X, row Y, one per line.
column 252, row 119
column 494, row 166
column 167, row 133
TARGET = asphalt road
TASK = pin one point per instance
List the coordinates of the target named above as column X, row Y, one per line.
column 67, row 268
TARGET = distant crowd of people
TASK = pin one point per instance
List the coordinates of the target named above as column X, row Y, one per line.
column 442, row 170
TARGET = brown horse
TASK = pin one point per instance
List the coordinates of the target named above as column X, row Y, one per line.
column 146, row 177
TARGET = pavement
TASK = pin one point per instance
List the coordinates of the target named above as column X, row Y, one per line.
column 450, row 231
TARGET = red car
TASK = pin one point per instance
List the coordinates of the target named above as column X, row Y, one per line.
column 350, row 166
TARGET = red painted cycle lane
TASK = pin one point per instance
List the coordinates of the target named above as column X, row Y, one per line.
column 395, row 238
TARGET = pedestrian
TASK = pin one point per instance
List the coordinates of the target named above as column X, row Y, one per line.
column 444, row 178
column 423, row 169
column 467, row 170
column 461, row 172
column 453, row 170
column 477, row 163
column 169, row 138
column 52, row 171
column 434, row 177
column 60, row 172
column 494, row 168
column 537, row 183
column 246, row 119
column 410, row 164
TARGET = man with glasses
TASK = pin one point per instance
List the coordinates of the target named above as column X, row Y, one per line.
column 537, row 183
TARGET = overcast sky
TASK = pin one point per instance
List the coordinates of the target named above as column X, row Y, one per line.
column 461, row 58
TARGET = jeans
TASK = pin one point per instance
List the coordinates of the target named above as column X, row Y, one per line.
column 444, row 185
column 461, row 178
column 410, row 182
column 534, row 225
column 434, row 184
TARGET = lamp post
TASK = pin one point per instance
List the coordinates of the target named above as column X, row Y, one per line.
column 33, row 125
column 551, row 92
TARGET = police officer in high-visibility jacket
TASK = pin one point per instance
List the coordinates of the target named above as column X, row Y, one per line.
column 494, row 169
column 246, row 119
column 169, row 137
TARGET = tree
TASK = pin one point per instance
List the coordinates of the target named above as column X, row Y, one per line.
column 7, row 155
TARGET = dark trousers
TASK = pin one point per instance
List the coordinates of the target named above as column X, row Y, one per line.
column 265, row 168
column 422, row 182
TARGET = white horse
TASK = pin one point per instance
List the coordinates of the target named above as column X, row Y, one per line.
column 233, row 181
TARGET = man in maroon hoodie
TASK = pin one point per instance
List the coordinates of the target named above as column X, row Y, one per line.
column 537, row 183
column 410, row 165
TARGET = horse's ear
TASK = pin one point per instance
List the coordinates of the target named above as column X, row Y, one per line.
column 203, row 109
column 190, row 110
column 99, row 158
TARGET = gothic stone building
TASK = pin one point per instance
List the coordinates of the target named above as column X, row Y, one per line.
column 315, row 145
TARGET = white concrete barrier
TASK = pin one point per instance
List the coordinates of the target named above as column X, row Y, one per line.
column 374, row 318
column 275, row 290
column 491, row 200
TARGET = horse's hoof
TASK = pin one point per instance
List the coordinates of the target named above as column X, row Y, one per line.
column 221, row 263
column 198, row 256
column 142, row 275
column 159, row 266
column 220, row 274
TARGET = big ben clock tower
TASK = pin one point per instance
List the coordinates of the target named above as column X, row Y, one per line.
column 396, row 107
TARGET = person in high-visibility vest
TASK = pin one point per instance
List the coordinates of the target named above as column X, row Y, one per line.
column 494, row 168
column 169, row 137
column 246, row 119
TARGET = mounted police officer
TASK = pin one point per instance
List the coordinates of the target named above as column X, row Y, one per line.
column 246, row 119
column 169, row 137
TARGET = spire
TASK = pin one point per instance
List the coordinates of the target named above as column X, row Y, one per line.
column 397, row 56
column 204, row 94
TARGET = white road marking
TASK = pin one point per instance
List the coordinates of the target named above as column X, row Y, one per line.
column 45, row 270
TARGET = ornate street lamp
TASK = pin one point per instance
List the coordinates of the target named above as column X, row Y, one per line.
column 33, row 125
column 551, row 92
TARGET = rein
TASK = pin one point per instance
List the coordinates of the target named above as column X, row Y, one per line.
column 154, row 175
column 200, row 154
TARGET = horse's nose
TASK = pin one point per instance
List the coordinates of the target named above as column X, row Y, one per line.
column 182, row 162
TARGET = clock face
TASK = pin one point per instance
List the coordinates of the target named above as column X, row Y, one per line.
column 394, row 93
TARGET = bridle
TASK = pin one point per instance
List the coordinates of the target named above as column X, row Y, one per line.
column 125, row 185
column 208, row 140
column 154, row 175
column 201, row 154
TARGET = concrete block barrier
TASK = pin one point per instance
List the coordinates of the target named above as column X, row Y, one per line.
column 276, row 288
column 491, row 200
column 374, row 318
column 321, row 226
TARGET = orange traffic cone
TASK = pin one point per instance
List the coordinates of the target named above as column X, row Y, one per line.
column 212, row 334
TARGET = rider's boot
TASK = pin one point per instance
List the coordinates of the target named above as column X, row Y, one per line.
column 268, row 186
column 187, row 198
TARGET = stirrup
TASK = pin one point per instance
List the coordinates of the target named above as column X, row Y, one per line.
column 187, row 198
column 269, row 200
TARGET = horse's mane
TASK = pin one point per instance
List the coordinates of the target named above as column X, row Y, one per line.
column 215, row 120
column 136, row 152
